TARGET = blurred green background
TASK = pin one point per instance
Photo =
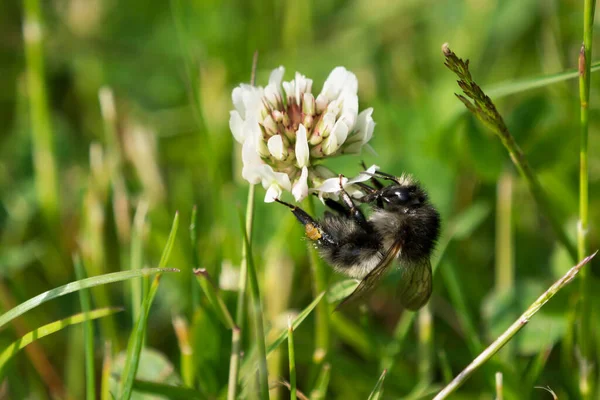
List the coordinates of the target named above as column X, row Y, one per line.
column 172, row 66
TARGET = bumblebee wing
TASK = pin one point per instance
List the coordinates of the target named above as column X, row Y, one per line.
column 415, row 284
column 370, row 281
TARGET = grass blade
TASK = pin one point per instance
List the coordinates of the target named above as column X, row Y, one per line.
column 75, row 286
column 511, row 331
column 504, row 89
column 295, row 324
column 214, row 298
column 186, row 350
column 51, row 328
column 136, row 340
column 378, row 389
column 292, row 360
column 88, row 333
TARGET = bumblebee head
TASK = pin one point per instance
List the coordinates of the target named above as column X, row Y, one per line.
column 404, row 196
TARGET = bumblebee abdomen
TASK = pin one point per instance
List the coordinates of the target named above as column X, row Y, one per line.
column 356, row 251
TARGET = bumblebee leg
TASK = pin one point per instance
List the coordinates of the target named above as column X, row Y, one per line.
column 312, row 228
column 337, row 207
column 354, row 212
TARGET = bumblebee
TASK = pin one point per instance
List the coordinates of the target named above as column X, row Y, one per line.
column 402, row 228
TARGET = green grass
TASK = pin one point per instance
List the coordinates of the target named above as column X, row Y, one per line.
column 116, row 115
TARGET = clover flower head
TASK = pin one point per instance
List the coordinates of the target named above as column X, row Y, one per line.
column 286, row 132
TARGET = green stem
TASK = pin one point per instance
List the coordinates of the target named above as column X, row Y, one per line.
column 585, row 58
column 41, row 127
column 234, row 360
column 319, row 286
column 511, row 331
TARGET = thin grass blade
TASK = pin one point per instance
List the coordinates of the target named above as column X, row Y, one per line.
column 295, row 324
column 378, row 389
column 512, row 330
column 51, row 328
column 504, row 89
column 75, row 286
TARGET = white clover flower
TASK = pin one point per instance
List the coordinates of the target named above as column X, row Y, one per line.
column 286, row 132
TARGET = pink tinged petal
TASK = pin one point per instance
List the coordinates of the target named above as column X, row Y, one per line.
column 301, row 85
column 302, row 151
column 308, row 104
column 275, row 145
column 289, row 88
column 273, row 192
column 321, row 102
column 300, row 189
column 269, row 124
column 329, row 145
column 272, row 95
column 336, row 139
column 236, row 125
column 276, row 76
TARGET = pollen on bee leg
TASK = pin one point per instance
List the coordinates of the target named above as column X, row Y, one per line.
column 312, row 232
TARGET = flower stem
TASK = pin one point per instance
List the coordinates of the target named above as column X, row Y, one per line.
column 319, row 286
column 511, row 331
column 234, row 361
column 585, row 376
